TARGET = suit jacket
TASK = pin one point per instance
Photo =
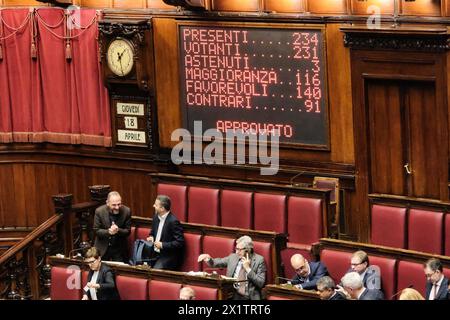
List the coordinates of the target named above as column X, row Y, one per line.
column 338, row 296
column 256, row 277
column 102, row 223
column 442, row 294
column 105, row 279
column 317, row 271
column 172, row 238
column 371, row 294
column 372, row 277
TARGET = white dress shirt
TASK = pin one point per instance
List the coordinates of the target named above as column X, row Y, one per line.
column 162, row 220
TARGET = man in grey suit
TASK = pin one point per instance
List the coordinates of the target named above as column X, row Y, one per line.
column 112, row 225
column 246, row 266
column 355, row 289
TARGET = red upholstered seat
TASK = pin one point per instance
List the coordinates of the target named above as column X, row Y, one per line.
column 447, row 234
column 217, row 247
column 66, row 283
column 425, row 230
column 203, row 206
column 265, row 250
column 192, row 251
column 270, row 212
column 130, row 240
column 388, row 274
column 337, row 262
column 411, row 273
column 131, row 288
column 304, row 220
column 388, row 227
column 163, row 290
column 205, row 293
column 236, row 209
column 142, row 233
column 178, row 196
column 288, row 252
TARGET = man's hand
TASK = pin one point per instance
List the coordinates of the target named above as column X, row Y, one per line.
column 113, row 229
column 158, row 245
column 92, row 285
column 343, row 291
column 85, row 297
column 150, row 239
column 246, row 263
column 203, row 257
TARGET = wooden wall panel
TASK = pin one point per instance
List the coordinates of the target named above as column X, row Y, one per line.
column 167, row 80
column 98, row 4
column 22, row 3
column 159, row 4
column 236, row 5
column 129, row 4
column 327, row 7
column 290, row 6
column 361, row 7
column 420, row 7
column 26, row 201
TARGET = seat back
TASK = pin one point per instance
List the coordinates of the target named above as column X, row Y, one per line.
column 203, row 206
column 236, row 209
column 193, row 248
column 131, row 288
column 163, row 290
column 388, row 226
column 264, row 249
column 337, row 262
column 425, row 231
column 178, row 197
column 217, row 247
column 328, row 183
column 387, row 272
column 304, row 220
column 410, row 273
column 447, row 234
column 142, row 233
column 205, row 293
column 130, row 240
column 270, row 212
column 66, row 283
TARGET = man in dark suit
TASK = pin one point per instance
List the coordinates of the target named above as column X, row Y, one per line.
column 327, row 289
column 307, row 273
column 112, row 225
column 244, row 265
column 370, row 274
column 166, row 236
column 355, row 289
column 101, row 284
column 437, row 287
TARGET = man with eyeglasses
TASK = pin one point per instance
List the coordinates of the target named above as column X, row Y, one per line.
column 437, row 287
column 101, row 284
column 307, row 273
column 370, row 274
column 244, row 265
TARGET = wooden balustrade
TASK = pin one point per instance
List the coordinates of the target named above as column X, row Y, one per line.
column 25, row 268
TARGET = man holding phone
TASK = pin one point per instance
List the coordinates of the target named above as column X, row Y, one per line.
column 244, row 265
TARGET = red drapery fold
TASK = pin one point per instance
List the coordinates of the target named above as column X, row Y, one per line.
column 50, row 98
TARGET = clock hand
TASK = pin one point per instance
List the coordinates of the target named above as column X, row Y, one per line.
column 121, row 67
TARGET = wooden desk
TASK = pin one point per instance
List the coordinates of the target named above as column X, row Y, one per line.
column 290, row 292
column 224, row 286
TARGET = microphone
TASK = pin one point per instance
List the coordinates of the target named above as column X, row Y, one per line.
column 71, row 252
column 291, row 181
column 397, row 293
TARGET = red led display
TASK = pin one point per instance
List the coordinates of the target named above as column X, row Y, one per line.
column 256, row 80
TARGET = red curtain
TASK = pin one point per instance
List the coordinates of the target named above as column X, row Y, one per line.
column 44, row 96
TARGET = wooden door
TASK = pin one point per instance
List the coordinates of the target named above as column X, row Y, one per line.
column 403, row 138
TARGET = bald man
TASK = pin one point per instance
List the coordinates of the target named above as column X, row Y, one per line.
column 307, row 273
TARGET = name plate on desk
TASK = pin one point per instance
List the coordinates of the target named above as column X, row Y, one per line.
column 131, row 136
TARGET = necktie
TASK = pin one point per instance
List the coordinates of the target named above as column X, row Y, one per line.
column 435, row 291
column 242, row 284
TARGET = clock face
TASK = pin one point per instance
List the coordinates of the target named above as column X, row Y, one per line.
column 120, row 57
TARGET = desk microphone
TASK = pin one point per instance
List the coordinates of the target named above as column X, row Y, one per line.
column 397, row 293
column 71, row 252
